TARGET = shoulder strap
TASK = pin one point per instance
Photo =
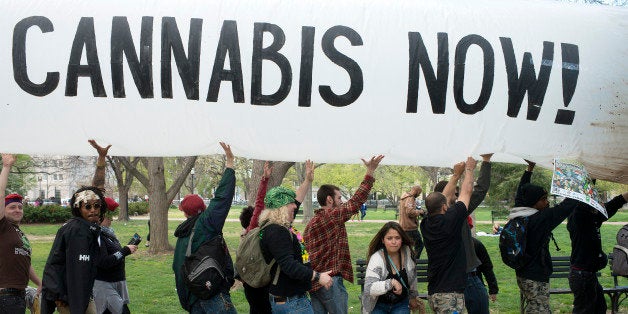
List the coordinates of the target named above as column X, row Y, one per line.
column 260, row 235
column 396, row 270
column 623, row 249
column 188, row 252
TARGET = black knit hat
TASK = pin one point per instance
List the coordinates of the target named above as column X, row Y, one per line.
column 530, row 194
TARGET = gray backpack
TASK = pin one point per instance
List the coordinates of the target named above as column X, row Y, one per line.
column 619, row 265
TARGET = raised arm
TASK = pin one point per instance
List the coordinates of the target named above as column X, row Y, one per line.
column 372, row 164
column 482, row 184
column 7, row 162
column 525, row 178
column 307, row 182
column 218, row 208
column 259, row 200
column 450, row 189
column 467, row 184
column 101, row 165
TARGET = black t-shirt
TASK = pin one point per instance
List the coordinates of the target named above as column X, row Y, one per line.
column 446, row 261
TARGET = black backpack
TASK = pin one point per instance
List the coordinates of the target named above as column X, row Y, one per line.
column 512, row 243
column 204, row 271
column 619, row 264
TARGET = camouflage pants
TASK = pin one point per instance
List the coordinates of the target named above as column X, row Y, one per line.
column 446, row 303
column 535, row 295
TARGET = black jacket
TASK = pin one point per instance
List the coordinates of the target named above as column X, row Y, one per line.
column 584, row 230
column 486, row 268
column 281, row 244
column 111, row 263
column 71, row 267
column 540, row 227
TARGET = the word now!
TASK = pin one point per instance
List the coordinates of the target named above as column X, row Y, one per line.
column 519, row 82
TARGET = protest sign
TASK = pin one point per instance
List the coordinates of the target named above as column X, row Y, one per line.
column 425, row 83
column 573, row 181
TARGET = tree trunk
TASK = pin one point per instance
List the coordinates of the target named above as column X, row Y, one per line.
column 280, row 168
column 308, row 211
column 124, row 179
column 159, row 198
column 158, row 205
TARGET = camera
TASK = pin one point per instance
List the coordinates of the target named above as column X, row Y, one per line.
column 135, row 240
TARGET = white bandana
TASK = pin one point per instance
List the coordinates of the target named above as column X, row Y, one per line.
column 84, row 196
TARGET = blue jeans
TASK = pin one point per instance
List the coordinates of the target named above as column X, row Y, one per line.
column 12, row 304
column 402, row 307
column 298, row 304
column 333, row 301
column 475, row 296
column 220, row 303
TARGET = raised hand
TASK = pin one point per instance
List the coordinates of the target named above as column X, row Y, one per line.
column 229, row 154
column 531, row 165
column 372, row 164
column 102, row 151
column 268, row 170
column 459, row 168
column 8, row 160
column 471, row 163
column 486, row 157
column 309, row 170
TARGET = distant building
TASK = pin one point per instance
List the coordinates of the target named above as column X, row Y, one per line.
column 56, row 177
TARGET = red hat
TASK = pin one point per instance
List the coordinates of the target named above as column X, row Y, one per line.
column 12, row 198
column 192, row 205
column 111, row 203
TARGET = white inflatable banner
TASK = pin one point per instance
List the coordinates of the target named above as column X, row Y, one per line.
column 423, row 82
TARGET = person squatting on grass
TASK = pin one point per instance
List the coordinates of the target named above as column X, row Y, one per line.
column 587, row 256
column 442, row 233
column 207, row 224
column 70, row 271
column 390, row 283
column 326, row 240
column 15, row 249
column 533, row 278
column 475, row 296
column 279, row 241
column 111, row 294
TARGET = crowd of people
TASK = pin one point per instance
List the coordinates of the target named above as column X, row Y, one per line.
column 85, row 270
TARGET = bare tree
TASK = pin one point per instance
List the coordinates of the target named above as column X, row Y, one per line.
column 280, row 168
column 159, row 198
column 124, row 179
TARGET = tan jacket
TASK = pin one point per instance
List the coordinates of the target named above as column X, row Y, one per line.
column 408, row 214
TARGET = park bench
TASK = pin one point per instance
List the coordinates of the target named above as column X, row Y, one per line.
column 498, row 216
column 421, row 274
column 561, row 267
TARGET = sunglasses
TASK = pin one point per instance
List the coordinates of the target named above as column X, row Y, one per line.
column 90, row 206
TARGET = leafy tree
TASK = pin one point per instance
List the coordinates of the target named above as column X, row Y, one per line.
column 505, row 179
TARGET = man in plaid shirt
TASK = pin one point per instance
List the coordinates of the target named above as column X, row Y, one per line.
column 326, row 241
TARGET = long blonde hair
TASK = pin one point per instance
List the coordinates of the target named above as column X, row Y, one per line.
column 276, row 216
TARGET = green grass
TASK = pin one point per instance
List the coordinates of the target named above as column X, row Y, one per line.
column 151, row 281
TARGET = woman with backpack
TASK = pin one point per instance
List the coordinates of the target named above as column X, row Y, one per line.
column 295, row 275
column 390, row 284
column 257, row 297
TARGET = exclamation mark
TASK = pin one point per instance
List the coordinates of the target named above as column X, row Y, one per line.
column 571, row 69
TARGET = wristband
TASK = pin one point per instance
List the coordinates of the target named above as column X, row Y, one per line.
column 317, row 276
